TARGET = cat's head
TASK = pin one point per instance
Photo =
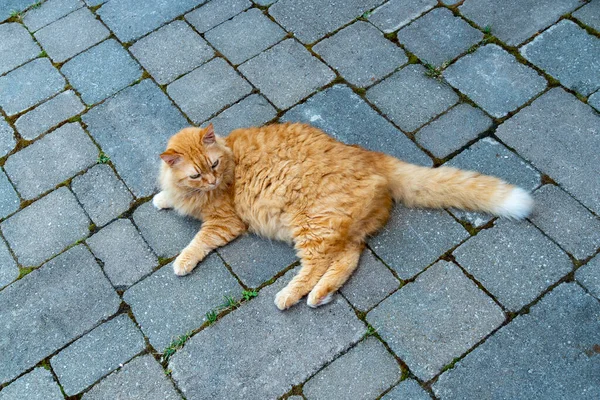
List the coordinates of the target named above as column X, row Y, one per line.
column 197, row 159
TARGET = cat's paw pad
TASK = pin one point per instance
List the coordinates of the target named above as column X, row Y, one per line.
column 314, row 301
column 285, row 299
column 160, row 201
column 184, row 264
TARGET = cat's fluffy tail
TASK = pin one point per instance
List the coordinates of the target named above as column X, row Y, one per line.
column 445, row 187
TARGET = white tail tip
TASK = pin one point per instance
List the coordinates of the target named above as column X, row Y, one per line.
column 517, row 205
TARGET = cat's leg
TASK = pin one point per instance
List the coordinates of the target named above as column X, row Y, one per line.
column 213, row 233
column 343, row 265
column 161, row 200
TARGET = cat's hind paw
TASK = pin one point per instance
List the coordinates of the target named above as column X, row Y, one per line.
column 161, row 201
column 284, row 299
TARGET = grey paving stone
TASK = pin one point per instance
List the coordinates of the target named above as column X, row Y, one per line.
column 410, row 98
column 495, row 80
column 8, row 267
column 538, row 132
column 96, row 354
column 518, row 263
column 51, row 160
column 361, row 54
column 141, row 379
column 344, row 115
column 92, row 3
column 589, row 14
column 36, row 385
column 254, row 110
column 489, row 157
column 214, row 363
column 264, row 3
column 29, row 85
column 453, row 130
column 438, row 36
column 364, row 372
column 171, row 51
column 132, row 19
column 514, row 21
column 435, row 319
column 102, row 195
column 244, row 36
column 219, row 83
column 589, row 276
column 370, row 283
column 101, row 71
column 49, row 114
column 45, row 227
column 415, row 238
column 569, row 54
column 286, row 73
column 594, row 100
column 549, row 353
column 7, row 138
column 310, row 20
column 48, row 12
column 125, row 256
column 71, row 35
column 166, row 305
column 566, row 221
column 407, row 389
column 165, row 231
column 8, row 7
column 215, row 12
column 16, row 47
column 133, row 128
column 50, row 307
column 9, row 200
column 394, row 14
column 256, row 260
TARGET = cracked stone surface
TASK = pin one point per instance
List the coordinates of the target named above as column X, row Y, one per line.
column 90, row 93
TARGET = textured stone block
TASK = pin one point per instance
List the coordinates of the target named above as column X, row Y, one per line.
column 16, row 47
column 36, row 385
column 407, row 389
column 215, row 77
column 361, row 54
column 9, row 200
column 215, row 12
column 495, row 80
column 364, row 372
column 125, row 256
column 589, row 14
column 244, row 36
column 394, row 14
column 102, row 195
column 550, row 353
column 453, row 130
column 438, row 36
column 518, row 263
column 96, row 354
column 71, row 35
column 51, row 160
column 8, row 267
column 45, row 227
column 171, row 51
column 589, row 276
column 256, row 260
column 133, row 128
column 29, row 85
column 514, row 21
column 101, row 71
column 50, row 11
column 410, row 99
column 569, row 54
column 7, row 138
column 7, row 8
column 165, row 231
column 166, row 305
column 51, row 307
column 415, row 238
column 49, row 114
column 286, row 73
column 435, row 319
column 560, row 136
column 348, row 118
column 254, row 110
column 142, row 378
column 310, row 337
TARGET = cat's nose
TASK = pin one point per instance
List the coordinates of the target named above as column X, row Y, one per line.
column 211, row 179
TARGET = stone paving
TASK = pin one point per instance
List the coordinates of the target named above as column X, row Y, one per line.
column 445, row 304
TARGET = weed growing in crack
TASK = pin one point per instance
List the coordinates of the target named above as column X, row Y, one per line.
column 370, row 330
column 249, row 294
column 487, row 30
column 435, row 72
column 36, row 5
column 103, row 158
column 16, row 15
column 175, row 345
column 230, row 302
column 43, row 54
column 211, row 317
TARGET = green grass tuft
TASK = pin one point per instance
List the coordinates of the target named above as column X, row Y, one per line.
column 103, row 158
column 175, row 345
column 487, row 30
column 211, row 317
column 249, row 294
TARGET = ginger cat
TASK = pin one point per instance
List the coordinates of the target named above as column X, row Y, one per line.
column 293, row 182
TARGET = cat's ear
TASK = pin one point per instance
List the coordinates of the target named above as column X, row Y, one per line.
column 209, row 135
column 171, row 157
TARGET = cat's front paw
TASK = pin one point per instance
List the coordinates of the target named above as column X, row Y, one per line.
column 316, row 299
column 184, row 263
column 161, row 201
column 285, row 299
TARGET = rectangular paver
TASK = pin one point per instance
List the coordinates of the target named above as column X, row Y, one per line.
column 49, row 11
column 215, row 12
column 254, row 110
column 50, row 307
column 16, row 47
column 394, row 14
column 589, row 14
column 407, row 389
column 38, row 384
column 7, row 8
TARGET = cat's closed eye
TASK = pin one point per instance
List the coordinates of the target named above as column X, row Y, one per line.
column 196, row 176
column 215, row 164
